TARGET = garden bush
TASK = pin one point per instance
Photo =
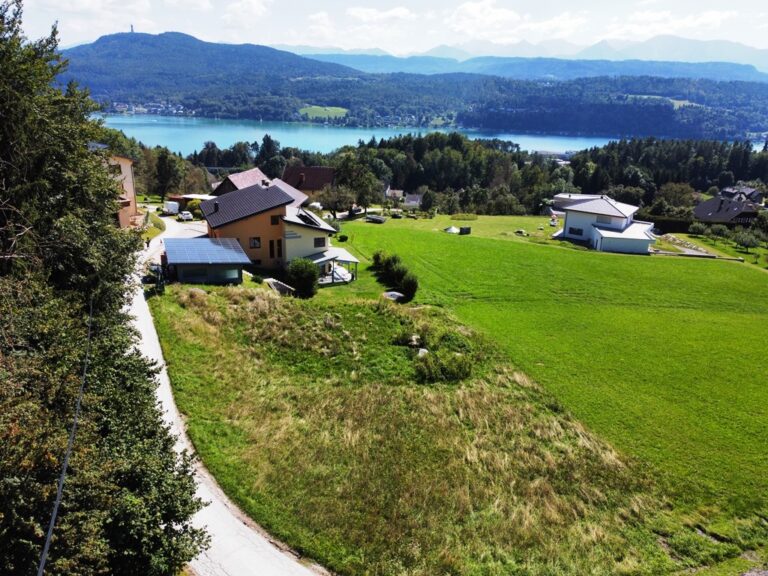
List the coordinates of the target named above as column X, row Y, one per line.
column 408, row 286
column 343, row 238
column 697, row 229
column 302, row 275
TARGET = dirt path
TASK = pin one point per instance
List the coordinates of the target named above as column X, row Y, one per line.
column 238, row 546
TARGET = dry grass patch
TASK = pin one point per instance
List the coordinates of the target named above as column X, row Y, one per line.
column 310, row 417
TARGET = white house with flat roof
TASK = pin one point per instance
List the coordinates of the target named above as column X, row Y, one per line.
column 603, row 223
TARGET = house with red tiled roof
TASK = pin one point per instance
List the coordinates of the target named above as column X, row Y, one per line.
column 241, row 180
column 309, row 179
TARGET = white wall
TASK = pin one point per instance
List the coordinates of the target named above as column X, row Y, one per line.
column 626, row 245
column 300, row 241
column 580, row 220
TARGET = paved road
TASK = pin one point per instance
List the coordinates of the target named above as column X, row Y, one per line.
column 238, row 546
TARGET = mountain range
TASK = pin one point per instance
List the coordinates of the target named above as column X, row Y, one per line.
column 512, row 94
column 544, row 68
column 659, row 48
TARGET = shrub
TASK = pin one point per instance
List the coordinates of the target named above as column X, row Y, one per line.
column 395, row 274
column 746, row 240
column 193, row 206
column 257, row 279
column 464, row 216
column 377, row 260
column 343, row 238
column 408, row 286
column 443, row 367
column 388, row 264
column 697, row 229
column 302, row 275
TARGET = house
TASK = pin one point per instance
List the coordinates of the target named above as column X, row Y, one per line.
column 412, row 201
column 204, row 260
column 393, row 194
column 309, row 179
column 240, row 180
column 723, row 211
column 269, row 223
column 604, row 224
column 122, row 170
column 742, row 193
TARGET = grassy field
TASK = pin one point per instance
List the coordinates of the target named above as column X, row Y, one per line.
column 310, row 416
column 642, row 349
column 314, row 112
column 722, row 247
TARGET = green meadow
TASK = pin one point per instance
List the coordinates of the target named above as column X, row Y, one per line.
column 314, row 112
column 663, row 357
column 610, row 414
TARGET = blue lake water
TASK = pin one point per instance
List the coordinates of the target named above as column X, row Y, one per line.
column 187, row 134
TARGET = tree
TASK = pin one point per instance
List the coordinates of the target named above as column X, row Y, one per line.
column 676, row 194
column 169, row 173
column 337, row 198
column 303, row 275
column 427, row 200
column 746, row 240
column 719, row 231
column 697, row 229
column 269, row 149
column 129, row 498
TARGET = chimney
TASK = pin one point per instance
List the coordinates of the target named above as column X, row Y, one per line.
column 265, row 183
column 215, row 205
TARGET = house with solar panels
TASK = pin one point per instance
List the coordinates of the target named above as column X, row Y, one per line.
column 271, row 226
column 204, row 260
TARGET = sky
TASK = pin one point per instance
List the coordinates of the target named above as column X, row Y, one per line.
column 402, row 27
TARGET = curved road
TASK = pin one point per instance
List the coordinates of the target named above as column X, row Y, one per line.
column 238, row 547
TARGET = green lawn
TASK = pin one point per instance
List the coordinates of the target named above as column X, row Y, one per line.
column 722, row 247
column 314, row 112
column 311, row 416
column 154, row 228
column 649, row 352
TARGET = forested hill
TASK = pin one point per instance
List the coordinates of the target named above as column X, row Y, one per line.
column 247, row 81
column 545, row 68
column 136, row 62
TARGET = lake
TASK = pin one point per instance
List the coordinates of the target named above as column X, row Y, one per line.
column 186, row 134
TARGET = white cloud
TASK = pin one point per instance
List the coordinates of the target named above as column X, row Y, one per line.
column 560, row 26
column 484, row 20
column 242, row 12
column 369, row 15
column 321, row 27
column 646, row 24
column 201, row 5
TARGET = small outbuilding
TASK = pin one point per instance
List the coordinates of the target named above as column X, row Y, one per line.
column 205, row 260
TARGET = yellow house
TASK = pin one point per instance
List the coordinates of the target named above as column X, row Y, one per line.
column 268, row 222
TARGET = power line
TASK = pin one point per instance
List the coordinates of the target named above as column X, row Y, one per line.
column 60, row 489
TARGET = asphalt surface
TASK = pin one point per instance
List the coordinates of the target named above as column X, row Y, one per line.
column 238, row 547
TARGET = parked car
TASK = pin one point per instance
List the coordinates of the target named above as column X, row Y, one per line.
column 186, row 216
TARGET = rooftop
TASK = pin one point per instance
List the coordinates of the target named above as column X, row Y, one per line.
column 243, row 203
column 301, row 217
column 247, row 178
column 298, row 196
column 308, row 177
column 635, row 231
column 204, row 251
column 603, row 206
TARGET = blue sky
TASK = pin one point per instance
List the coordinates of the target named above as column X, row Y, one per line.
column 403, row 27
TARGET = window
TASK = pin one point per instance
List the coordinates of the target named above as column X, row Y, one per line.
column 320, row 242
column 280, row 248
column 603, row 219
column 271, row 248
column 254, row 242
column 575, row 231
column 275, row 220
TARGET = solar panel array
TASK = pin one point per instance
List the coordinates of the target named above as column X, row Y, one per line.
column 205, row 251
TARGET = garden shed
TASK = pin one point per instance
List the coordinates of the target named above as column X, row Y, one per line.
column 205, row 260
